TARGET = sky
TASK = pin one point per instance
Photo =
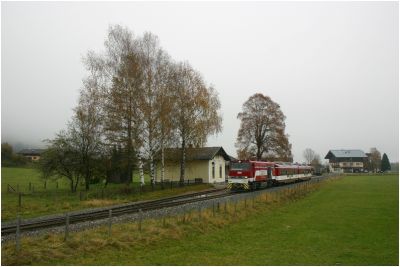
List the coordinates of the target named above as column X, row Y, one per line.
column 333, row 67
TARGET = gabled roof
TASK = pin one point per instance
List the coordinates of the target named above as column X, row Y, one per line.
column 345, row 153
column 31, row 151
column 201, row 153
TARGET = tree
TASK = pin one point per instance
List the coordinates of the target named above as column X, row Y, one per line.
column 155, row 65
column 195, row 111
column 165, row 99
column 316, row 161
column 262, row 131
column 74, row 154
column 374, row 160
column 9, row 158
column 118, row 75
column 385, row 164
column 148, row 101
column 6, row 152
column 60, row 159
column 77, row 153
column 309, row 155
column 85, row 132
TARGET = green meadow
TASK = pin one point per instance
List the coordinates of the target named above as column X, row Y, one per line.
column 346, row 221
column 55, row 196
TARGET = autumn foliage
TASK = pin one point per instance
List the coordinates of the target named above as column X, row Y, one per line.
column 262, row 131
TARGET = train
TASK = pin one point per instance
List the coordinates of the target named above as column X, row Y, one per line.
column 252, row 175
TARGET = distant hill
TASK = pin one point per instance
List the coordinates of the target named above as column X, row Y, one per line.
column 18, row 146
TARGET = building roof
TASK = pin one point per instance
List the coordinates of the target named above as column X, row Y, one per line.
column 345, row 153
column 28, row 152
column 201, row 153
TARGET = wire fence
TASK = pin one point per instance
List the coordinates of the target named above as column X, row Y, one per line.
column 229, row 207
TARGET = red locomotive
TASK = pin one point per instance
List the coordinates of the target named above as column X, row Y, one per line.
column 248, row 174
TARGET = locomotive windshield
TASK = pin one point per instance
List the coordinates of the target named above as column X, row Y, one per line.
column 240, row 166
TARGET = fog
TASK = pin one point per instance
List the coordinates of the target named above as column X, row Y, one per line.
column 332, row 66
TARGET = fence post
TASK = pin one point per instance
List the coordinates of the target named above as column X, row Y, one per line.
column 19, row 199
column 66, row 226
column 140, row 220
column 199, row 209
column 184, row 214
column 18, row 234
column 213, row 209
column 109, row 221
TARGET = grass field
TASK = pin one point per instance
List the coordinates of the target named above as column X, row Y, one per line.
column 350, row 221
column 59, row 200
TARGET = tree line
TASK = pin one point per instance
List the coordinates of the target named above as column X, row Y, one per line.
column 135, row 101
column 11, row 159
column 375, row 162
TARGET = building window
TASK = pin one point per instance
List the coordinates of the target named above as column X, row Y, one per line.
column 213, row 170
column 220, row 171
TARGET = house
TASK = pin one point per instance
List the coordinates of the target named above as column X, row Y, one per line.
column 31, row 154
column 351, row 160
column 207, row 163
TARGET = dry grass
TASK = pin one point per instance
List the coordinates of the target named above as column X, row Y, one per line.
column 99, row 202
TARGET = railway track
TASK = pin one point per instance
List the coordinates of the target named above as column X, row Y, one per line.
column 101, row 213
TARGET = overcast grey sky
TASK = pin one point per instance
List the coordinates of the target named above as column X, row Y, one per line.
column 332, row 66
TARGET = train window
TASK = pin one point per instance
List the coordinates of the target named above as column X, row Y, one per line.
column 240, row 166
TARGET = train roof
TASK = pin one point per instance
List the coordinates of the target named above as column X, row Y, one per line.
column 276, row 164
column 284, row 165
column 253, row 161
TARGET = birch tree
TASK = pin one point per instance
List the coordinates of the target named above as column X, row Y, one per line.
column 195, row 110
column 154, row 63
column 308, row 155
column 119, row 77
column 165, row 100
